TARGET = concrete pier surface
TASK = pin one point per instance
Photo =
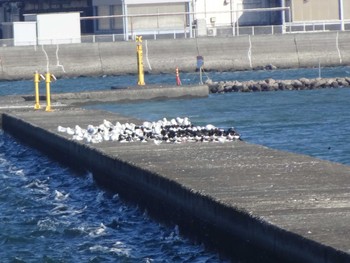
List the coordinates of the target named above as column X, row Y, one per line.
column 131, row 93
column 295, row 207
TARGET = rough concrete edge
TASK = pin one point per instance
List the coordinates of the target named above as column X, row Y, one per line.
column 226, row 219
column 137, row 93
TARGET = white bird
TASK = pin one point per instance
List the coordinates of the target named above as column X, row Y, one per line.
column 209, row 127
column 157, row 130
column 91, row 129
column 128, row 126
column 147, row 125
column 186, row 122
column 173, row 122
column 221, row 139
column 139, row 132
column 78, row 137
column 106, row 136
column 107, row 124
column 61, row 129
column 179, row 120
column 176, row 130
column 115, row 133
column 118, row 125
column 79, row 133
column 97, row 138
column 70, row 131
column 88, row 138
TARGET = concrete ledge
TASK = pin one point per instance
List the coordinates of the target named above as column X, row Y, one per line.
column 167, row 175
column 134, row 93
column 127, row 94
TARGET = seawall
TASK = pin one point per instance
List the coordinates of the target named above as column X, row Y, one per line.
column 293, row 207
column 222, row 54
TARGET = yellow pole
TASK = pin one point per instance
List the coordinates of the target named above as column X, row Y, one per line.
column 36, row 85
column 141, row 74
column 48, row 95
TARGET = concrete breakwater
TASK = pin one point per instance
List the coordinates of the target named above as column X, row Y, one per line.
column 265, row 198
column 274, row 85
column 220, row 54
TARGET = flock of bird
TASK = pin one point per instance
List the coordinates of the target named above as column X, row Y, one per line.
column 176, row 130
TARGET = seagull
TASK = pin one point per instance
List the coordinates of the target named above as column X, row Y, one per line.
column 107, row 124
column 179, row 120
column 61, row 129
column 178, row 130
column 91, row 129
column 209, row 127
column 70, row 131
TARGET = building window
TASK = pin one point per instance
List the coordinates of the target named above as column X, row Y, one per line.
column 158, row 21
column 111, row 24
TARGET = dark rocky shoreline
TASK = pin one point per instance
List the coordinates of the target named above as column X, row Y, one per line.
column 275, row 85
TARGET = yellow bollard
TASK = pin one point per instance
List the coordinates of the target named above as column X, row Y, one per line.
column 48, row 78
column 36, row 86
column 141, row 74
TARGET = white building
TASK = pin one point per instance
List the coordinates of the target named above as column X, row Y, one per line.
column 142, row 16
column 173, row 16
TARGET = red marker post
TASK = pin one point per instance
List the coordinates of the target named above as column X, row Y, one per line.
column 178, row 81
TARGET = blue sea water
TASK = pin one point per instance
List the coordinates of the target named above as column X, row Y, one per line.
column 106, row 82
column 49, row 213
column 52, row 214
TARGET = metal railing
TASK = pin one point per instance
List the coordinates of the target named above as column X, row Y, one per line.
column 222, row 31
column 190, row 31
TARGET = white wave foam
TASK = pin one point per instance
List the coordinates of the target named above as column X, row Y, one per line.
column 98, row 231
column 47, row 224
column 3, row 161
column 99, row 248
column 19, row 172
column 62, row 209
column 174, row 235
column 100, row 197
column 59, row 210
column 60, row 196
column 37, row 184
column 118, row 248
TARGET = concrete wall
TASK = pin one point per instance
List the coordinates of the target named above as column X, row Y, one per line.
column 227, row 222
column 315, row 10
column 238, row 53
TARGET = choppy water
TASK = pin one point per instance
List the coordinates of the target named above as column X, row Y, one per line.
column 48, row 213
column 106, row 82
